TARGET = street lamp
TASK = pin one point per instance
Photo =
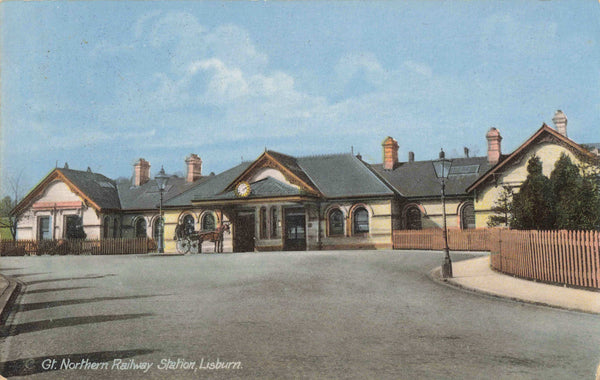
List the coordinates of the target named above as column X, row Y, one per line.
column 442, row 169
column 161, row 181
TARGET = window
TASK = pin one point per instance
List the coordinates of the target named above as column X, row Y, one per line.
column 336, row 222
column 115, row 228
column 361, row 221
column 208, row 222
column 189, row 224
column 74, row 227
column 274, row 222
column 140, row 228
column 106, row 226
column 263, row 223
column 44, row 228
column 413, row 218
column 467, row 216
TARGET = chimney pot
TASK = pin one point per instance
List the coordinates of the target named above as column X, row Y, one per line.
column 466, row 152
column 141, row 172
column 560, row 122
column 411, row 156
column 494, row 145
column 194, row 167
column 390, row 153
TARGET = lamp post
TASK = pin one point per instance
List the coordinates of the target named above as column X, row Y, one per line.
column 161, row 181
column 442, row 169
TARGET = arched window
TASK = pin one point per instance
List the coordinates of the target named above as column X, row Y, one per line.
column 208, row 222
column 140, row 228
column 188, row 224
column 156, row 229
column 263, row 222
column 413, row 218
column 336, row 222
column 274, row 222
column 106, row 227
column 115, row 233
column 467, row 216
column 361, row 221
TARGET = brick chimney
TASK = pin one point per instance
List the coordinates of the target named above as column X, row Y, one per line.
column 390, row 153
column 560, row 122
column 141, row 172
column 494, row 151
column 194, row 167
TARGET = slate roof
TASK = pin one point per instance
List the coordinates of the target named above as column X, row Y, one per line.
column 99, row 188
column 147, row 196
column 210, row 187
column 418, row 180
column 342, row 175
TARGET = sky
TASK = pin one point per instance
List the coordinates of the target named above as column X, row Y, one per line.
column 100, row 84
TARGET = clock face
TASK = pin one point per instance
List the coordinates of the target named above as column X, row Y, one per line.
column 243, row 189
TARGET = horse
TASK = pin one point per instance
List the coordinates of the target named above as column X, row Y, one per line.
column 215, row 236
column 186, row 240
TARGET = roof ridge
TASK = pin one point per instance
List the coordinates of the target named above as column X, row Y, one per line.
column 326, row 155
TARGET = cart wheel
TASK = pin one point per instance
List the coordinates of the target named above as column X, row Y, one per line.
column 194, row 246
column 183, row 245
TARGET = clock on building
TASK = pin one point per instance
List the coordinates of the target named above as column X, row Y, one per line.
column 242, row 189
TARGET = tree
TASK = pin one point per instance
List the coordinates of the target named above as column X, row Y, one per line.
column 589, row 196
column 502, row 208
column 567, row 184
column 8, row 221
column 532, row 206
column 7, row 203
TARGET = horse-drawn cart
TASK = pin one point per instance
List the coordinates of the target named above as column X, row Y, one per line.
column 191, row 241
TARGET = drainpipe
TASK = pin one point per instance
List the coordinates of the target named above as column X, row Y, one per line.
column 54, row 222
column 319, row 243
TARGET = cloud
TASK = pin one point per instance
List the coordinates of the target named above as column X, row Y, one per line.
column 418, row 68
column 365, row 64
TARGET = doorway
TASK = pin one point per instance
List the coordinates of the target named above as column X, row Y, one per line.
column 244, row 232
column 295, row 230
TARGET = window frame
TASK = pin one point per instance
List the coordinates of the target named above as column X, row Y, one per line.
column 356, row 225
column 137, row 228
column 330, row 229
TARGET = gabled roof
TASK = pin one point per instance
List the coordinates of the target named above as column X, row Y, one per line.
column 417, row 179
column 97, row 190
column 331, row 176
column 265, row 188
column 544, row 132
column 288, row 165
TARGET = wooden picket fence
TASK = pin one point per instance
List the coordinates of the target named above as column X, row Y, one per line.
column 121, row 246
column 562, row 257
column 458, row 240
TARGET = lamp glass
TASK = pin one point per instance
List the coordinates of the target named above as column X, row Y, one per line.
column 161, row 179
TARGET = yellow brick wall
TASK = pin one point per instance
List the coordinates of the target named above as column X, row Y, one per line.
column 433, row 217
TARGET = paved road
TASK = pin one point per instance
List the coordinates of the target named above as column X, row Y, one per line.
column 352, row 314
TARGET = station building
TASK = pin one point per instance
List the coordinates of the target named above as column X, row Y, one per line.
column 282, row 202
